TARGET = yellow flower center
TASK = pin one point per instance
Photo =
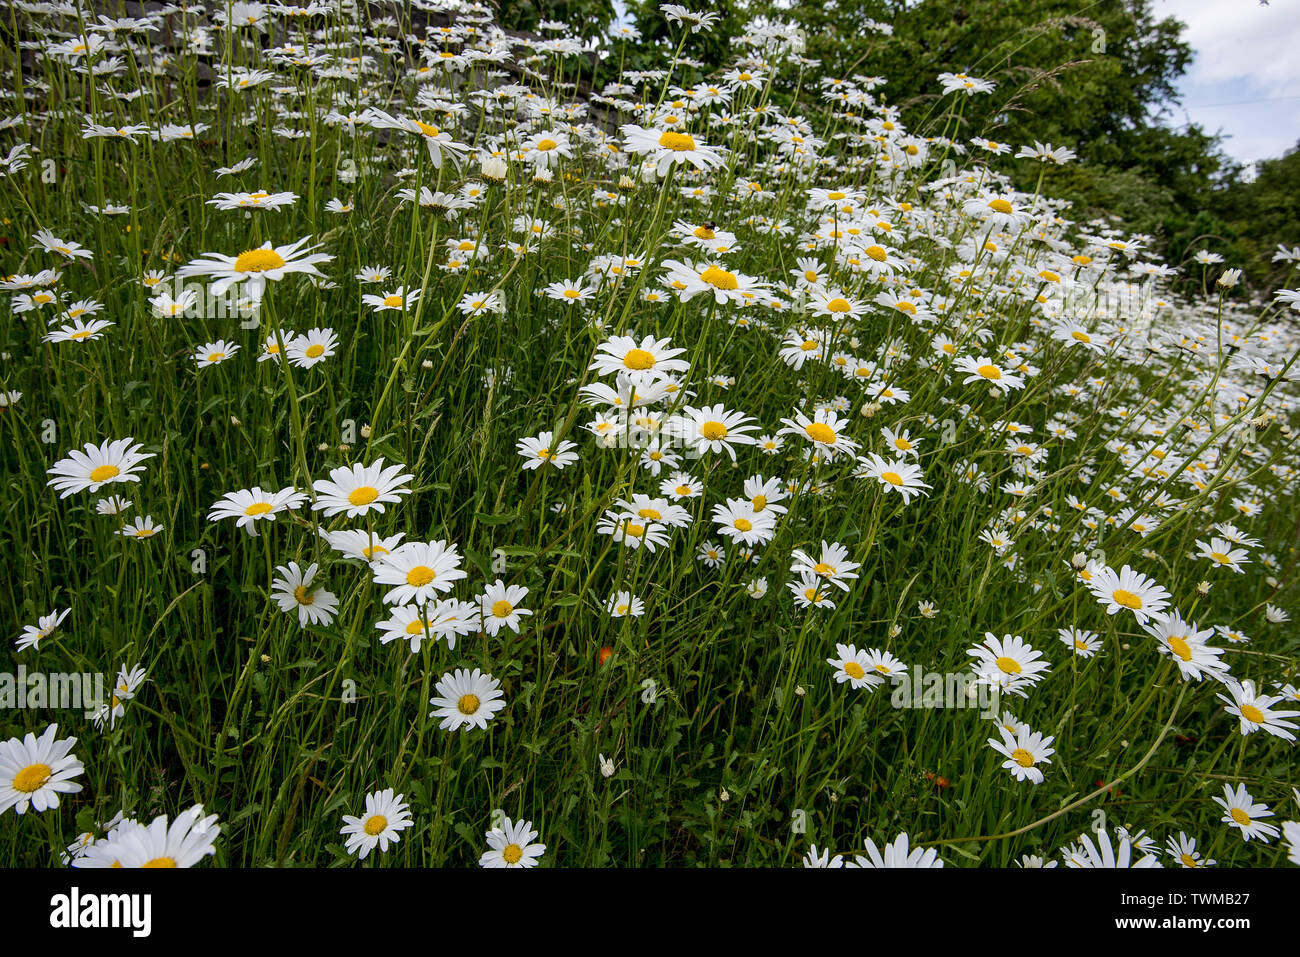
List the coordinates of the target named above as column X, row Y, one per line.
column 420, row 575
column 1221, row 558
column 394, row 301
column 258, row 508
column 893, row 478
column 683, row 490
column 838, row 305
column 990, row 371
column 1188, row 860
column 703, row 232
column 468, row 704
column 160, row 862
column 512, row 853
column 853, row 669
column 719, row 278
column 820, row 432
column 502, row 609
column 1008, row 666
column 547, row 145
column 1000, row 206
column 758, row 502
column 744, row 524
column 427, row 130
column 1251, row 713
column 1127, row 599
column 31, row 778
column 638, row 359
column 258, row 260
column 1022, row 758
column 713, row 431
column 417, row 627
column 677, row 142
column 1240, row 816
column 877, row 253
column 302, row 597
column 1081, row 336
column 363, row 495
column 376, row 824
column 633, row 529
column 103, row 473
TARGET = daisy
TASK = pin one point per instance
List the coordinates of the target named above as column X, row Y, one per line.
column 1187, row 646
column 832, row 565
column 359, row 489
column 1024, row 751
column 386, row 815
column 418, row 570
column 1183, row 849
column 714, row 429
column 884, row 663
column 1128, row 589
column 79, row 331
column 542, row 449
column 899, row 475
column 124, row 689
column 35, row 771
column 409, row 623
column 643, row 362
column 811, row 590
column 680, row 485
column 1223, row 554
column 666, row 149
column 570, row 292
column 711, row 278
column 212, row 353
column 189, row 839
column 45, row 626
column 141, row 528
column 292, row 591
column 984, row 369
column 247, row 506
column 1083, row 643
column 511, row 845
column 624, row 603
column 1010, row 663
column 1255, row 710
column 255, row 267
column 466, row 698
column 854, row 667
column 111, row 461
column 47, row 241
column 1241, row 812
column 315, row 346
column 500, row 606
column 825, row 430
column 815, row 858
column 765, row 494
column 1104, row 855
column 399, row 299
column 896, row 854
column 834, row 304
column 711, row 554
column 738, row 521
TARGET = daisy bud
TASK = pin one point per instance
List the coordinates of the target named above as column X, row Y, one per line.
column 1078, row 560
column 365, row 431
column 1270, row 581
column 800, row 691
column 1229, row 278
column 626, row 182
column 724, row 796
column 870, row 409
column 494, row 169
column 235, row 422
column 895, row 631
column 606, row 766
column 542, row 175
column 1203, row 588
column 323, row 447
column 426, row 364
column 344, row 447
column 266, row 659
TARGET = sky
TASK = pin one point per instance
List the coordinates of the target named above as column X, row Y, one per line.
column 1245, row 79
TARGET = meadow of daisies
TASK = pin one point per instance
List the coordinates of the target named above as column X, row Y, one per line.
column 448, row 461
